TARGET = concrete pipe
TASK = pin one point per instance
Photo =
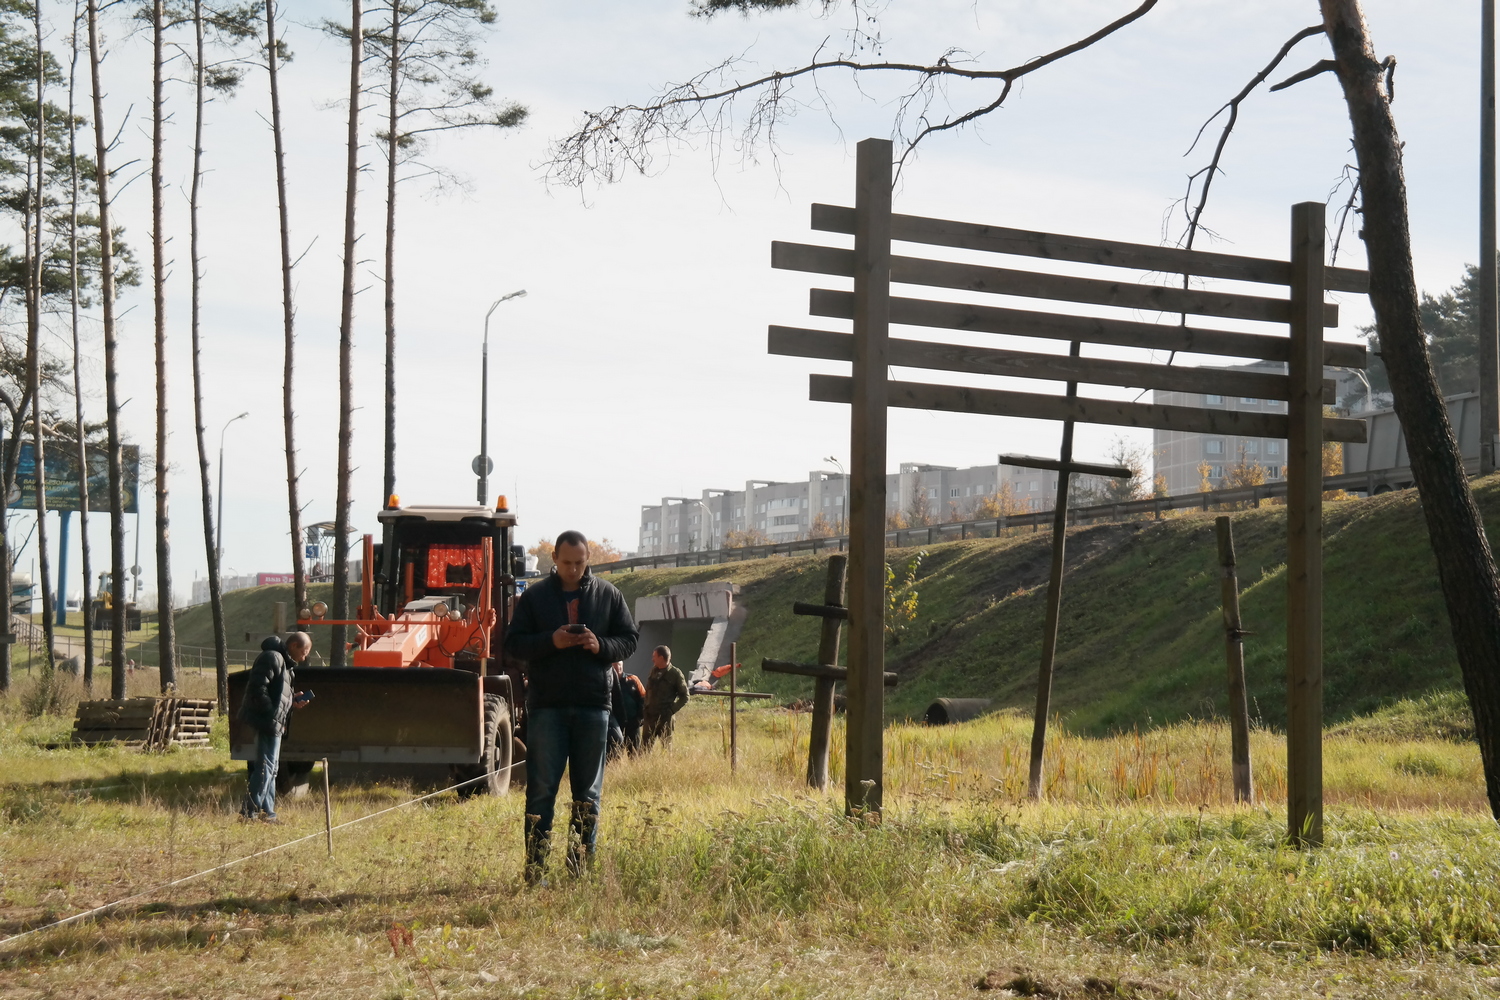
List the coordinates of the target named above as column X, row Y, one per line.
column 948, row 710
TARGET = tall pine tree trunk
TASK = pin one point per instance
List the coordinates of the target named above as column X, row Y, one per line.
column 393, row 148
column 111, row 389
column 166, row 636
column 346, row 343
column 86, row 605
column 36, row 225
column 215, row 594
column 1466, row 566
column 288, row 318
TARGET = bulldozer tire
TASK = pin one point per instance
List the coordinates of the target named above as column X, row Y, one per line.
column 495, row 763
column 518, row 763
column 293, row 778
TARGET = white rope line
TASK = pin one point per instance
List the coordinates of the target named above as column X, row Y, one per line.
column 86, row 914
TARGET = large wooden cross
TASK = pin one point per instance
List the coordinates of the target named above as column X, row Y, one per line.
column 868, row 392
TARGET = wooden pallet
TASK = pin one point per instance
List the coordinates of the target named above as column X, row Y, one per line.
column 149, row 723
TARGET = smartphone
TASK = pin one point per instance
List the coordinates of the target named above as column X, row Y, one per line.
column 578, row 629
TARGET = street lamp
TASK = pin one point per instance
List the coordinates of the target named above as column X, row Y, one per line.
column 219, row 528
column 482, row 463
column 845, row 512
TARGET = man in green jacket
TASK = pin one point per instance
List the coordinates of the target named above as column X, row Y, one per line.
column 666, row 693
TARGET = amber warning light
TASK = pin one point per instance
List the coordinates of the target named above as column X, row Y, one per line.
column 502, row 503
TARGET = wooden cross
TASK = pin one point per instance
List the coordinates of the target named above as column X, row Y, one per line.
column 1064, row 467
column 826, row 672
column 734, row 694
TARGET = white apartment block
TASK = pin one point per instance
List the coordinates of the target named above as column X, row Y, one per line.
column 1179, row 456
column 788, row 511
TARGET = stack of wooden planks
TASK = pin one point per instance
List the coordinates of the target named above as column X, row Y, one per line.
column 150, row 723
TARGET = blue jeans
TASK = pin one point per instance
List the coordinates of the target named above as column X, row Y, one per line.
column 559, row 737
column 261, row 796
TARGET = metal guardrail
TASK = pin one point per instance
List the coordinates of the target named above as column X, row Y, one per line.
column 1366, row 482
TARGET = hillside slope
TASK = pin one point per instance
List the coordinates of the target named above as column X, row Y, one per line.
column 1141, row 639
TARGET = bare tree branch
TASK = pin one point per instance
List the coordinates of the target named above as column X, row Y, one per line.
column 608, row 142
column 1316, row 69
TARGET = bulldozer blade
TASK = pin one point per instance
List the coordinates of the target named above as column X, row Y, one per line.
column 375, row 715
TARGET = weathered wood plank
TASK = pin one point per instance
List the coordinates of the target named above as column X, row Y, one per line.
column 819, row 670
column 826, row 345
column 1234, row 661
column 1304, row 536
column 1089, row 329
column 1055, row 287
column 996, row 402
column 1085, row 250
column 1057, row 465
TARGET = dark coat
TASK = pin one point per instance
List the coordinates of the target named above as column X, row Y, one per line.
column 628, row 702
column 666, row 691
column 572, row 677
column 268, row 693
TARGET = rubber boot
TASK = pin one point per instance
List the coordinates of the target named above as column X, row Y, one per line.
column 537, row 846
column 581, row 829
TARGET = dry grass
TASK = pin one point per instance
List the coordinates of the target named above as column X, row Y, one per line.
column 1138, row 877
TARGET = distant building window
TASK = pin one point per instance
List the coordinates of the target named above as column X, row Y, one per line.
column 784, row 519
column 1217, row 472
column 1273, row 447
column 1213, row 447
column 827, row 500
column 1213, row 400
column 952, row 492
column 1252, row 447
column 1033, row 486
column 838, row 501
column 1249, row 400
column 932, row 492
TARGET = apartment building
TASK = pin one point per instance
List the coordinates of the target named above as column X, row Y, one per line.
column 1182, row 458
column 787, row 511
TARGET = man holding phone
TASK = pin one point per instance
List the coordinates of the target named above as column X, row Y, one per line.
column 569, row 628
column 270, row 697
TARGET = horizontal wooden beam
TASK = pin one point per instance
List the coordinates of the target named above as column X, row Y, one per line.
column 1158, row 416
column 1089, row 329
column 732, row 694
column 825, row 345
column 1083, row 250
column 1057, row 465
column 815, row 670
column 1056, row 287
column 820, row 610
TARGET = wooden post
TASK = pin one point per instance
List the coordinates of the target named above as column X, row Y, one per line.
column 734, row 747
column 828, row 655
column 1234, row 659
column 1054, row 603
column 327, row 809
column 863, row 778
column 278, row 617
column 1304, row 528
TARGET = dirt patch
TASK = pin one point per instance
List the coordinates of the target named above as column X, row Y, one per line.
column 1023, row 983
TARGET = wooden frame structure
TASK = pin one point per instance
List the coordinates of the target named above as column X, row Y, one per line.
column 868, row 391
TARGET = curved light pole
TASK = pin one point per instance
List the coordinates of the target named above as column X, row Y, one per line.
column 482, row 463
column 219, row 528
column 840, row 466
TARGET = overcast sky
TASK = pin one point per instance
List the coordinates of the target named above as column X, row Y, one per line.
column 636, row 367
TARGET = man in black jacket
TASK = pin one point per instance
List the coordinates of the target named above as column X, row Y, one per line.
column 569, row 628
column 269, row 699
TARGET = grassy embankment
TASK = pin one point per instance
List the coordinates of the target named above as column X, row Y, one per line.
column 1141, row 638
column 1137, row 879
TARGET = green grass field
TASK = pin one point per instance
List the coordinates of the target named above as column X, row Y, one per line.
column 1138, row 878
column 1141, row 640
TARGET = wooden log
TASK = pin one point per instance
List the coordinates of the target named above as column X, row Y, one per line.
column 826, row 345
column 870, row 265
column 1234, row 661
column 819, row 670
column 733, row 694
column 1089, row 329
column 1085, row 250
column 998, row 402
column 1038, row 285
column 820, row 738
column 1304, row 543
column 822, row 611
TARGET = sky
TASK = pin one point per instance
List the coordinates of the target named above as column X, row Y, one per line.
column 636, row 365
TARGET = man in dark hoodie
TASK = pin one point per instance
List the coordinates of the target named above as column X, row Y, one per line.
column 269, row 699
column 569, row 628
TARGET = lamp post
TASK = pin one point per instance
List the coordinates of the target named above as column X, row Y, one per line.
column 844, row 510
column 219, row 527
column 482, row 463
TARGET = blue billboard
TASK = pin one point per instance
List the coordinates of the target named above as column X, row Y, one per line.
column 62, row 477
